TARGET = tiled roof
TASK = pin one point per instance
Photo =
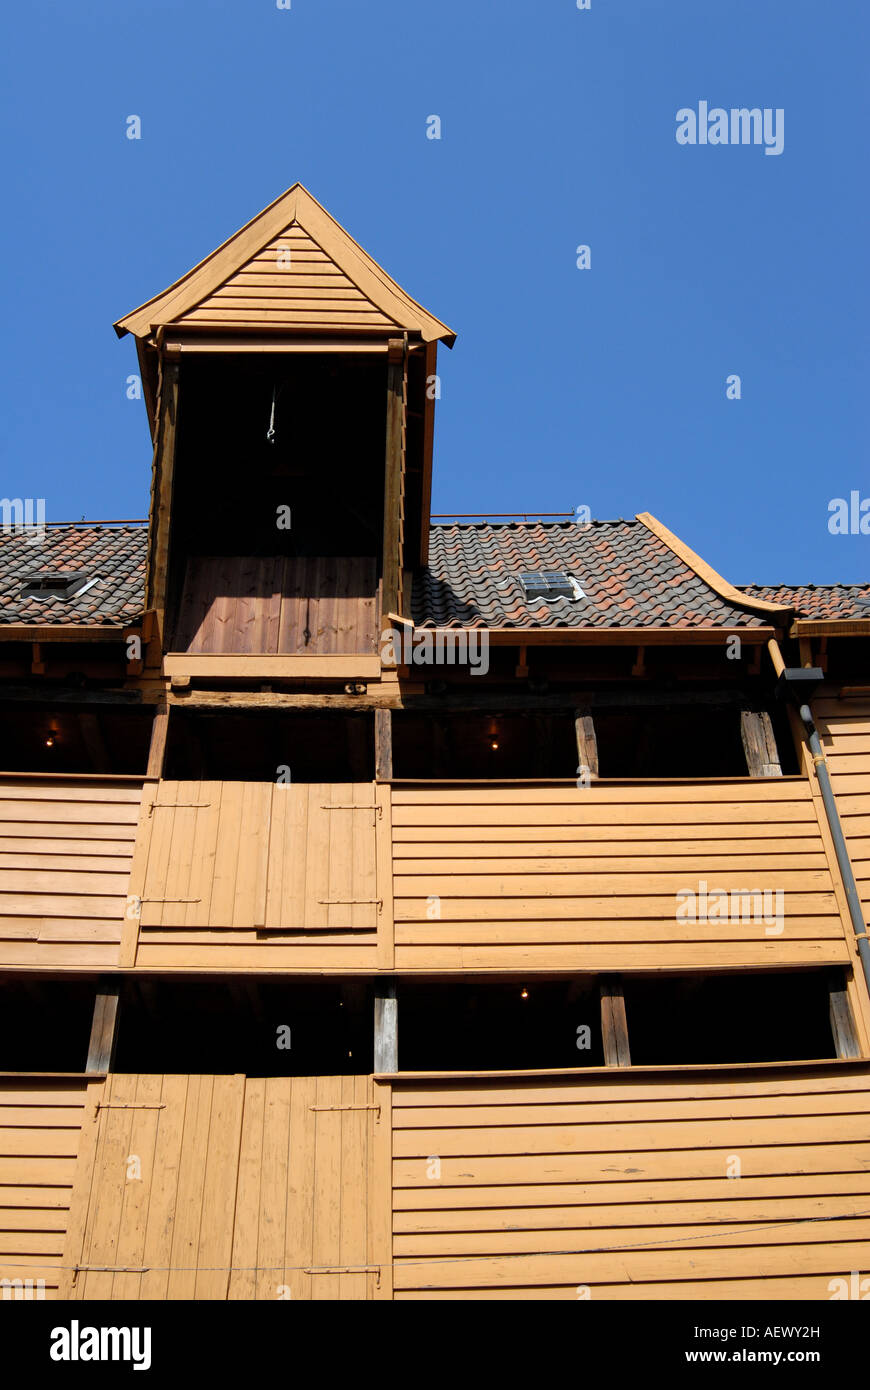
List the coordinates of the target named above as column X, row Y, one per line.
column 114, row 555
column 817, row 600
column 630, row 578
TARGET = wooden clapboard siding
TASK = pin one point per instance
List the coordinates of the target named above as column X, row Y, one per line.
column 534, row 1187
column 265, row 605
column 250, row 1188
column 40, row 1128
column 66, row 848
column 251, row 875
column 291, row 282
column 556, row 877
column 844, row 728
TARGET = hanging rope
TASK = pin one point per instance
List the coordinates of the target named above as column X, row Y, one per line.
column 270, row 432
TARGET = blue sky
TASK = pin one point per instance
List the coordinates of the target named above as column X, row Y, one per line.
column 604, row 387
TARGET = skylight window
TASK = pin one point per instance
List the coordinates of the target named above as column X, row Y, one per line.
column 550, row 584
column 54, row 585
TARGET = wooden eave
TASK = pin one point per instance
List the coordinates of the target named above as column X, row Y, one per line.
column 68, row 632
column 295, row 207
column 830, row 627
column 706, row 572
column 607, row 636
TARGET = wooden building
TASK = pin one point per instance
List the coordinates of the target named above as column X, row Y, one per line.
column 395, row 909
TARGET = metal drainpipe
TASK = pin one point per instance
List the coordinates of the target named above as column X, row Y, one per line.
column 856, row 911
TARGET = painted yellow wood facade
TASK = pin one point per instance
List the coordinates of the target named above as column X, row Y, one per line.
column 360, row 876
column 735, row 1183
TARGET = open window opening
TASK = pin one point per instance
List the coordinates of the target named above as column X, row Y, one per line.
column 622, row 1021
column 257, row 1026
column 267, row 746
column 56, row 738
column 278, row 503
column 771, row 1016
column 481, row 1025
column 659, row 740
column 46, row 1022
column 483, row 746
column 662, row 741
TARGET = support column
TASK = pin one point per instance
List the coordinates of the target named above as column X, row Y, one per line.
column 386, row 1027
column 614, row 1028
column 104, row 1029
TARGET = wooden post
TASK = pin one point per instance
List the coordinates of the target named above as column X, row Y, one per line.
column 587, row 743
column 383, row 745
column 614, row 1027
column 842, row 1022
column 394, row 481
column 104, row 1029
column 386, row 1027
column 161, row 496
column 157, row 748
column 759, row 744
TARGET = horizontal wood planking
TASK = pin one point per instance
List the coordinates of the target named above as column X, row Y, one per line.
column 248, row 874
column 40, row 1129
column 633, row 1194
column 66, row 849
column 247, row 1185
column 228, row 666
column 555, row 877
column 264, row 606
column 309, row 291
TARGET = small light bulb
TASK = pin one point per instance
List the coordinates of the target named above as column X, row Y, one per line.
column 494, row 744
column 49, row 742
column 524, row 994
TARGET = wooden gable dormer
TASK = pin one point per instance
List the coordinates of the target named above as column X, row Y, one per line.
column 287, row 376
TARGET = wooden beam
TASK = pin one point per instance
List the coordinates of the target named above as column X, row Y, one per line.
column 613, row 636
column 830, row 627
column 161, row 495
column 189, row 666
column 614, row 1028
column 37, row 665
column 157, row 747
column 491, row 702
column 759, row 744
column 430, row 370
column 386, row 1027
column 56, row 695
column 587, row 743
column 842, row 1021
column 104, row 1029
column 394, row 465
column 62, row 632
column 383, row 745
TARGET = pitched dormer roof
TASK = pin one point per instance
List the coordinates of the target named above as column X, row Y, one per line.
column 292, row 267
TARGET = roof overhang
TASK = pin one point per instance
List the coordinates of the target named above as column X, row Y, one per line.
column 296, row 207
column 709, row 575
